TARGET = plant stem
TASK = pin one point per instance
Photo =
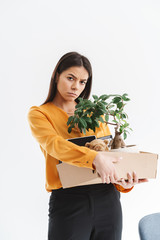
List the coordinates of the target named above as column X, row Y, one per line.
column 110, row 123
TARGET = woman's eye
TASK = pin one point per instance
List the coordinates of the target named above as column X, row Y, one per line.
column 83, row 82
column 70, row 78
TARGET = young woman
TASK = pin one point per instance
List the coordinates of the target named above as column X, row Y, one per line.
column 84, row 212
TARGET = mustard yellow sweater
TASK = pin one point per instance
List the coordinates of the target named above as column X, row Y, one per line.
column 48, row 124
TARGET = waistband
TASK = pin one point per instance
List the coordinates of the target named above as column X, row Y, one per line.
column 85, row 188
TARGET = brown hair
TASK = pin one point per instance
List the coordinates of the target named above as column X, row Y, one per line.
column 68, row 60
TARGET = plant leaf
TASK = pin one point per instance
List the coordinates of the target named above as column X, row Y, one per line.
column 107, row 118
column 84, row 130
column 104, row 103
column 114, row 121
column 101, row 119
column 70, row 120
column 95, row 97
column 125, row 135
column 83, row 122
column 69, row 129
column 126, row 125
column 118, row 116
column 120, row 105
column 87, row 119
column 112, row 112
column 95, row 123
column 123, row 115
column 125, row 94
column 116, row 99
column 125, row 98
column 104, row 97
column 75, row 120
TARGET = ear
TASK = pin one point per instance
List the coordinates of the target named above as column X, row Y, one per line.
column 107, row 149
column 87, row 144
column 110, row 143
column 106, row 141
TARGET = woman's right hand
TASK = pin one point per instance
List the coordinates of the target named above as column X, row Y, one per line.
column 104, row 165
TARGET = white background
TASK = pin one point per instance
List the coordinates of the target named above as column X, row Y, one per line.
column 122, row 41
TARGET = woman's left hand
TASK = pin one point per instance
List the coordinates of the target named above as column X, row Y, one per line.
column 131, row 181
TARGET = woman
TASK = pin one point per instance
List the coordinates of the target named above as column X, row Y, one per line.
column 83, row 212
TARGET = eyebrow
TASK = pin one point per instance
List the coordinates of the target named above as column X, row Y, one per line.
column 75, row 77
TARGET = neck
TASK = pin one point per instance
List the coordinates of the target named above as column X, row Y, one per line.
column 68, row 107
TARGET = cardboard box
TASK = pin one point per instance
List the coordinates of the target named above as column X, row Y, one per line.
column 143, row 163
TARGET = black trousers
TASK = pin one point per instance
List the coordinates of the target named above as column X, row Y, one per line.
column 90, row 212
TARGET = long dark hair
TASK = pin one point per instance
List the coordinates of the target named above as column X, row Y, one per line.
column 68, row 60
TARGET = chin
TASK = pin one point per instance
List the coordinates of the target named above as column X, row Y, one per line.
column 70, row 99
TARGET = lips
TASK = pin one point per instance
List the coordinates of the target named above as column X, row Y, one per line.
column 73, row 94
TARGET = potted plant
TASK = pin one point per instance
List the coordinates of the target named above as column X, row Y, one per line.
column 107, row 109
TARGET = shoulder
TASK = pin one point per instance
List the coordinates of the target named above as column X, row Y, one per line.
column 42, row 110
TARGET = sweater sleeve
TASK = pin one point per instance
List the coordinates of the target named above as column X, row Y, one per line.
column 55, row 145
column 121, row 189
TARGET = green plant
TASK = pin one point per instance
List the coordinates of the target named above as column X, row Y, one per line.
column 107, row 109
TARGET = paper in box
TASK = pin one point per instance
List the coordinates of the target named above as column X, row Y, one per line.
column 143, row 163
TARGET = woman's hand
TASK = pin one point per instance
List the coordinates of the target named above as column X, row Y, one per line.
column 131, row 181
column 104, row 165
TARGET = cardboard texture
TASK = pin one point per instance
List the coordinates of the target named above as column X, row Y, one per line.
column 143, row 163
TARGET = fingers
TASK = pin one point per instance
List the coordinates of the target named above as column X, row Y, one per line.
column 115, row 176
column 108, row 179
column 103, row 179
column 123, row 182
column 135, row 178
column 130, row 180
column 113, row 179
column 143, row 180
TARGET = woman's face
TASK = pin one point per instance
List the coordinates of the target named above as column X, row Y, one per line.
column 71, row 83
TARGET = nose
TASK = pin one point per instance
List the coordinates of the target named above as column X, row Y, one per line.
column 75, row 85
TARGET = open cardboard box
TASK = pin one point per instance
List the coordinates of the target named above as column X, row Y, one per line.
column 143, row 163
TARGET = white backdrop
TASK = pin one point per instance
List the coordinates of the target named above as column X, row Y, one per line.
column 121, row 39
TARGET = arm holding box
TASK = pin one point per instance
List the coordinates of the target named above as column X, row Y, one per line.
column 53, row 144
